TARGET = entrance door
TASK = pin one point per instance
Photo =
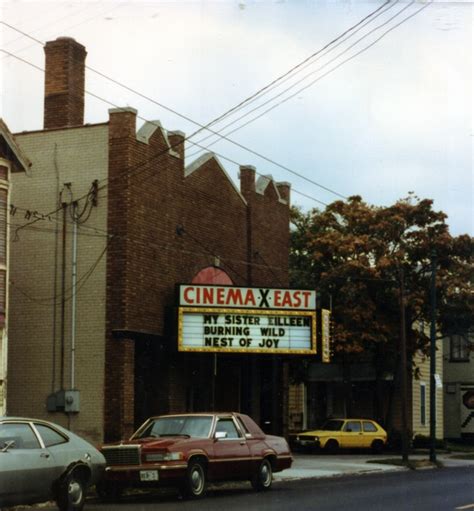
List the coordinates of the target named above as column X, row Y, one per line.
column 226, row 385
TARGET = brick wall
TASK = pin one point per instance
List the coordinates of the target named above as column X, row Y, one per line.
column 170, row 222
column 78, row 156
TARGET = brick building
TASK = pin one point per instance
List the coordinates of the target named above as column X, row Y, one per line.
column 92, row 335
column 12, row 160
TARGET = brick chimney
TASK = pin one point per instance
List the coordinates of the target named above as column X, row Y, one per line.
column 64, row 83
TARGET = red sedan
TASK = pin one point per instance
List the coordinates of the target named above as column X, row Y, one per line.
column 187, row 450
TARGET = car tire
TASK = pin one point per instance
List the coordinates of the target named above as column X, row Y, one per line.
column 72, row 493
column 331, row 446
column 263, row 478
column 194, row 485
column 377, row 447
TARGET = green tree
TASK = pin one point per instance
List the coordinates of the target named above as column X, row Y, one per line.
column 353, row 253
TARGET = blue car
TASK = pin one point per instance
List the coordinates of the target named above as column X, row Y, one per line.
column 42, row 461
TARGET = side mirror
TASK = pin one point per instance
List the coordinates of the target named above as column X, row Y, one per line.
column 220, row 435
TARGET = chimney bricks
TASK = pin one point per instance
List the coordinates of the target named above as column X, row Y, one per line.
column 64, row 83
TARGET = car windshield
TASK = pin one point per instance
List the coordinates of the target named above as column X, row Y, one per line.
column 189, row 426
column 332, row 425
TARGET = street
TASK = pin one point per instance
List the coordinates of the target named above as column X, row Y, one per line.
column 422, row 490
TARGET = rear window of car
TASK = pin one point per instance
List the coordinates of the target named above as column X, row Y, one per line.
column 352, row 426
column 243, row 427
column 369, row 427
column 50, row 436
column 21, row 435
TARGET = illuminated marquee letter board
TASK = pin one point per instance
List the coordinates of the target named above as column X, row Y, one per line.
column 226, row 319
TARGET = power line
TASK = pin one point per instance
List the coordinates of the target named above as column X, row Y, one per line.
column 55, row 22
column 63, row 298
column 313, row 72
column 188, row 138
column 163, row 152
column 66, row 28
column 142, row 165
column 301, row 176
column 303, row 65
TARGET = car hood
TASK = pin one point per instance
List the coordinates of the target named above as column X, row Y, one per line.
column 152, row 442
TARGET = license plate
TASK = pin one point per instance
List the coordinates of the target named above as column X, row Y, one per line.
column 148, row 475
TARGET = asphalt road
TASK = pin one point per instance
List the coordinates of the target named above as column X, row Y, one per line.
column 446, row 489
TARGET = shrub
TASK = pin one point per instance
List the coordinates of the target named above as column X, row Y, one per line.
column 424, row 442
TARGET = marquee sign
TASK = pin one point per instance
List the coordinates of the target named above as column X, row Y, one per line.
column 257, row 320
column 246, row 297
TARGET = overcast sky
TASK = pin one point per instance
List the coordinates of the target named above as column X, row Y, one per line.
column 396, row 118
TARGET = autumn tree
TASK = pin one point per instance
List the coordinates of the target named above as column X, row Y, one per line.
column 355, row 254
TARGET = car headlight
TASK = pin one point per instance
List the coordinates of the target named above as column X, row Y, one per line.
column 167, row 456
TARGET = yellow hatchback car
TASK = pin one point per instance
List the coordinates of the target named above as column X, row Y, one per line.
column 345, row 434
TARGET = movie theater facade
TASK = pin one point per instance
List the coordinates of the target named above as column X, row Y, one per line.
column 182, row 300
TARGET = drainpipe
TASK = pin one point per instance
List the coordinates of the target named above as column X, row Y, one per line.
column 73, row 290
column 63, row 293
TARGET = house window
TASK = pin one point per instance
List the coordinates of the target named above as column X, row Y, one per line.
column 459, row 349
column 423, row 404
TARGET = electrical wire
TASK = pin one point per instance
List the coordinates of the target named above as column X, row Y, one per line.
column 252, row 120
column 140, row 168
column 315, row 58
column 50, row 23
column 69, row 27
column 188, row 138
column 308, row 75
column 63, row 299
column 163, row 152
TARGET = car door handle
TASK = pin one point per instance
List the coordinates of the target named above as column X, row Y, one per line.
column 44, row 455
column 243, row 442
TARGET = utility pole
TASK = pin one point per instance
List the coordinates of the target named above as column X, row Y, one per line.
column 403, row 368
column 433, row 361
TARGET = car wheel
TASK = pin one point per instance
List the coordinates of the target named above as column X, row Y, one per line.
column 331, row 446
column 194, row 486
column 72, row 493
column 377, row 446
column 263, row 478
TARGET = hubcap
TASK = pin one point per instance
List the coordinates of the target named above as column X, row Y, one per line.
column 197, row 480
column 265, row 474
column 74, row 492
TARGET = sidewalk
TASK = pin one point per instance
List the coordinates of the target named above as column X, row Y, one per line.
column 314, row 465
